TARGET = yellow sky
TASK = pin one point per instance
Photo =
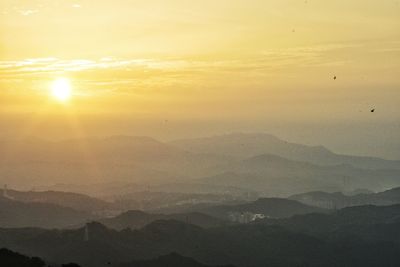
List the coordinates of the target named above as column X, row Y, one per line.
column 220, row 61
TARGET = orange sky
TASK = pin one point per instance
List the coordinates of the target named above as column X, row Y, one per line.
column 181, row 68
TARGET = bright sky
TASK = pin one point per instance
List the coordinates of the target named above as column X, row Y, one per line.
column 173, row 68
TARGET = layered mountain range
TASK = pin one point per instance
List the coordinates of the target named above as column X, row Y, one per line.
column 246, row 162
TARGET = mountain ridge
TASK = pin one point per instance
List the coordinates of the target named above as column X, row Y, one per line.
column 251, row 144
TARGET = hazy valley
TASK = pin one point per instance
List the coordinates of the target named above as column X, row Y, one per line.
column 240, row 199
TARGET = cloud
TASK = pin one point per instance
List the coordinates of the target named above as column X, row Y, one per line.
column 27, row 12
column 266, row 59
column 266, row 67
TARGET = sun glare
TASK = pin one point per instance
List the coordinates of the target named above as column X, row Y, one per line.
column 61, row 89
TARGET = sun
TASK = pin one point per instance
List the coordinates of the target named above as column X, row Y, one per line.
column 61, row 89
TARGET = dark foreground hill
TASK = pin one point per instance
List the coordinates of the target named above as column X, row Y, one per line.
column 170, row 260
column 247, row 245
column 352, row 220
column 359, row 236
column 9, row 258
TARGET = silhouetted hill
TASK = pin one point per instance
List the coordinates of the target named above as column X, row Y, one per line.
column 238, row 211
column 170, row 229
column 66, row 199
column 280, row 242
column 135, row 219
column 352, row 221
column 263, row 207
column 239, row 246
column 173, row 202
column 247, row 145
column 22, row 214
column 391, row 196
column 335, row 200
column 170, row 260
column 277, row 207
column 339, row 200
column 9, row 258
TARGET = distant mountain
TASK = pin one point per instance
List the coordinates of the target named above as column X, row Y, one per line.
column 338, row 200
column 275, row 175
column 93, row 160
column 179, row 191
column 170, row 260
column 193, row 187
column 75, row 201
column 138, row 148
column 137, row 219
column 248, row 145
column 22, row 214
column 235, row 163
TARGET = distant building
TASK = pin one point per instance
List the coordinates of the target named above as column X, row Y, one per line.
column 245, row 217
column 5, row 192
